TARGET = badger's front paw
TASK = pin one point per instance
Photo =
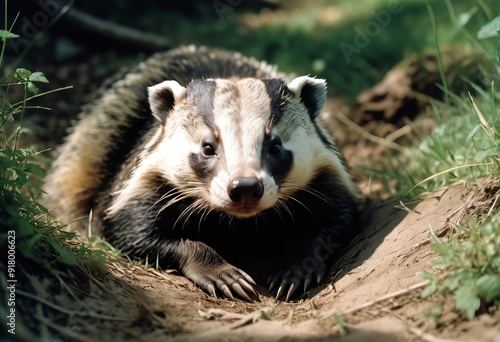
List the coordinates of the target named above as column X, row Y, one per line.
column 222, row 278
column 298, row 276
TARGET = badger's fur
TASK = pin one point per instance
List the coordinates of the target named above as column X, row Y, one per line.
column 214, row 164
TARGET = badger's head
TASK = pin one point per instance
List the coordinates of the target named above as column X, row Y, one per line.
column 239, row 146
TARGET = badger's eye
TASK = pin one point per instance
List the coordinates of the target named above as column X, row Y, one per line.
column 208, row 146
column 276, row 147
column 208, row 150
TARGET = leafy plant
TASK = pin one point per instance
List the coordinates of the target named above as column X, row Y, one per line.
column 490, row 30
column 22, row 214
column 471, row 262
column 41, row 246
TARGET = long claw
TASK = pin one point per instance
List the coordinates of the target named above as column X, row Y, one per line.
column 280, row 290
column 291, row 290
column 307, row 283
column 211, row 290
column 274, row 281
column 319, row 277
column 227, row 292
column 239, row 290
column 247, row 286
column 248, row 278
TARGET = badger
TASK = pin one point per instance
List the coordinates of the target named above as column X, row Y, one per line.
column 213, row 164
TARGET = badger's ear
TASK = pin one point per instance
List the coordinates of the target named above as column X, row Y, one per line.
column 163, row 96
column 311, row 92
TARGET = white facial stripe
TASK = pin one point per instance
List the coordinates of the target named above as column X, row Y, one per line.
column 241, row 113
column 226, row 108
column 254, row 113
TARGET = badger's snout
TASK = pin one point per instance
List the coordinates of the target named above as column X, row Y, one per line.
column 245, row 190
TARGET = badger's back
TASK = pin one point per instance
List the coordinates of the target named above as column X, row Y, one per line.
column 119, row 119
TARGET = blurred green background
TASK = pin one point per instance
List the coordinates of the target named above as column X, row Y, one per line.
column 352, row 44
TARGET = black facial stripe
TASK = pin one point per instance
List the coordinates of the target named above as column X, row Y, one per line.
column 202, row 94
column 278, row 92
column 200, row 166
column 277, row 166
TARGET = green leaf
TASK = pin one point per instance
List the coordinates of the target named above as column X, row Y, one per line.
column 429, row 290
column 427, row 275
column 4, row 35
column 467, row 300
column 464, row 18
column 36, row 169
column 488, row 229
column 451, row 283
column 38, row 76
column 66, row 257
column 23, row 75
column 27, row 245
column 32, row 88
column 489, row 287
column 480, row 156
column 442, row 248
column 473, row 132
column 22, row 153
column 489, row 30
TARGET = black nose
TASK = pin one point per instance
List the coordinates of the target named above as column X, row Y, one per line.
column 245, row 190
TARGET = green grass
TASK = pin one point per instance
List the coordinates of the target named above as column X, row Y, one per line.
column 468, row 261
column 463, row 147
column 38, row 245
column 459, row 149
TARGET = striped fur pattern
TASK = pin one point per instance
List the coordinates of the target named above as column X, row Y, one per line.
column 213, row 163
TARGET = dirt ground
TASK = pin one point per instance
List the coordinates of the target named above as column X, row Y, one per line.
column 375, row 295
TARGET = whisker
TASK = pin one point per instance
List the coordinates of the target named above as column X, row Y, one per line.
column 277, row 208
column 190, row 210
column 310, row 191
column 183, row 196
column 284, row 205
column 169, row 193
column 204, row 213
column 301, row 204
column 225, row 216
column 262, row 217
column 176, row 196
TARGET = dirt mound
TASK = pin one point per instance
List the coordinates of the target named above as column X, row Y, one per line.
column 375, row 295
